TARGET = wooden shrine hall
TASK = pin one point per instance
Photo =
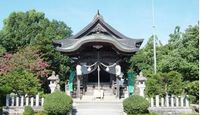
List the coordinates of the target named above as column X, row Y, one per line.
column 100, row 56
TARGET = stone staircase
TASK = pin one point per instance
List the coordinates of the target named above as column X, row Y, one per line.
column 88, row 105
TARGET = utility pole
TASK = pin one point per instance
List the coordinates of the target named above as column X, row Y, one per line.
column 154, row 39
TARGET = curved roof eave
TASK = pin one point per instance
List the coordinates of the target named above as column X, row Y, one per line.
column 120, row 44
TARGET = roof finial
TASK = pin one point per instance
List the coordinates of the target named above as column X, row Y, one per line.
column 98, row 12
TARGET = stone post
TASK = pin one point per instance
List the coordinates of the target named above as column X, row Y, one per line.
column 37, row 100
column 12, row 101
column 17, row 101
column 177, row 101
column 167, row 100
column 157, row 100
column 42, row 101
column 27, row 101
column 78, row 73
column 32, row 102
column 7, row 99
column 22, row 101
column 152, row 102
column 186, row 101
column 162, row 102
column 172, row 101
column 182, row 99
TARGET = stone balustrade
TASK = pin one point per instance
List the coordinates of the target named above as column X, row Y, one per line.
column 21, row 101
column 169, row 101
column 174, row 105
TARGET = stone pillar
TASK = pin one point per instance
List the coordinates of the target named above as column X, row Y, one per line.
column 7, row 99
column 186, row 101
column 78, row 87
column 17, row 101
column 167, row 100
column 42, row 101
column 78, row 73
column 182, row 99
column 152, row 102
column 32, row 102
column 12, row 101
column 37, row 100
column 162, row 102
column 22, row 101
column 157, row 100
column 172, row 101
column 177, row 102
column 27, row 101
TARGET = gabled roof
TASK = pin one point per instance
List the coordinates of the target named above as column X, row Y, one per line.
column 99, row 27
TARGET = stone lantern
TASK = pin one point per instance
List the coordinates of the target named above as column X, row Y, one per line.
column 141, row 84
column 54, row 80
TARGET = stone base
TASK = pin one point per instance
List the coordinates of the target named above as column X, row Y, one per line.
column 170, row 110
column 18, row 110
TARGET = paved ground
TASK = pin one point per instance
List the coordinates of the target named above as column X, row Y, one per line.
column 98, row 108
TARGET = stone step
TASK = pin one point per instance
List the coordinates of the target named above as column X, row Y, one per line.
column 95, row 108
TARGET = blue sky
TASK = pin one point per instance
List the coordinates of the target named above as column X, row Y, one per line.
column 131, row 17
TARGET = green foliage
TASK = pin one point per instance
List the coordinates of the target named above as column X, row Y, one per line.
column 41, row 113
column 135, row 105
column 33, row 29
column 19, row 82
column 2, row 50
column 192, row 89
column 180, row 55
column 160, row 83
column 57, row 103
column 28, row 110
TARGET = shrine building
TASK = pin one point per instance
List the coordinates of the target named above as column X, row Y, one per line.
column 100, row 57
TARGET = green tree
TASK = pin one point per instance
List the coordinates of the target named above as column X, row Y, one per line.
column 19, row 82
column 32, row 28
column 180, row 55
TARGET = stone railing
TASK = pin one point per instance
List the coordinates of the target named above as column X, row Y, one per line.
column 12, row 100
column 170, row 104
column 15, row 104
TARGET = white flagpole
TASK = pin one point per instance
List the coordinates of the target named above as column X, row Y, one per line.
column 154, row 39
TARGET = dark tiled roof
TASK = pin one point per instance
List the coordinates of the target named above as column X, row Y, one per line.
column 99, row 27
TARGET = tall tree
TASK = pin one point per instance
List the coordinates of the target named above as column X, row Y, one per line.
column 32, row 28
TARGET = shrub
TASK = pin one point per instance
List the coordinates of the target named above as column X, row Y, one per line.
column 57, row 103
column 135, row 105
column 28, row 110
